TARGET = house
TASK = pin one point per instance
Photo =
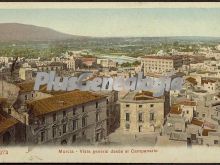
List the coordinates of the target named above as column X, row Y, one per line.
column 68, row 118
column 89, row 61
column 113, row 110
column 106, row 63
column 11, row 130
column 141, row 113
column 188, row 108
column 210, row 86
column 7, row 129
column 25, row 73
column 161, row 64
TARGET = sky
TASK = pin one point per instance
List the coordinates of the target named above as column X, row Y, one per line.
column 128, row 22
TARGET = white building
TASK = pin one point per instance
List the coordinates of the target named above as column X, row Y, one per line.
column 106, row 63
column 210, row 86
column 161, row 64
column 141, row 113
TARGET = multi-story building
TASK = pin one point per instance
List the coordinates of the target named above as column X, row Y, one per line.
column 161, row 64
column 141, row 113
column 89, row 61
column 25, row 73
column 76, row 116
column 70, row 64
column 106, row 63
column 209, row 85
column 54, row 66
column 11, row 130
column 113, row 110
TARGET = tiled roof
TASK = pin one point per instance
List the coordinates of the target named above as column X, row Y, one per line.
column 27, row 86
column 144, row 95
column 192, row 80
column 187, row 103
column 6, row 123
column 62, row 101
column 163, row 57
column 175, row 109
column 205, row 132
column 196, row 122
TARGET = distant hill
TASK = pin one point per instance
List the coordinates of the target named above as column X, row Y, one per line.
column 16, row 32
column 21, row 32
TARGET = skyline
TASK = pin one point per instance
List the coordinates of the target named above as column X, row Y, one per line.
column 126, row 22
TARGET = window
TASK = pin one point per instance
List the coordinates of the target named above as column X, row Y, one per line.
column 75, row 124
column 127, row 126
column 83, row 121
column 74, row 111
column 9, row 110
column 140, row 117
column 83, row 109
column 193, row 136
column 151, row 116
column 43, row 120
column 54, row 132
column 140, row 128
column 54, row 117
column 64, row 113
column 187, row 112
column 107, row 101
column 127, row 117
column 215, row 141
column 140, row 106
column 97, row 117
column 108, row 113
column 98, row 137
column 203, row 115
column 32, row 95
column 64, row 128
column 42, row 136
column 152, row 105
column 26, row 97
column 83, row 133
column 127, row 105
column 74, row 138
column 97, row 104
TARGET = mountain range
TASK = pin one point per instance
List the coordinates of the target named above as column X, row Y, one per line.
column 17, row 32
column 21, row 32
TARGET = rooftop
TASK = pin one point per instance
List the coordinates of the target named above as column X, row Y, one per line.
column 6, row 122
column 28, row 86
column 162, row 57
column 197, row 122
column 62, row 101
column 191, row 80
column 205, row 132
column 187, row 103
column 175, row 109
column 140, row 96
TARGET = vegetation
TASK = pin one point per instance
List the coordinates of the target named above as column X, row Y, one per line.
column 33, row 52
column 133, row 47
